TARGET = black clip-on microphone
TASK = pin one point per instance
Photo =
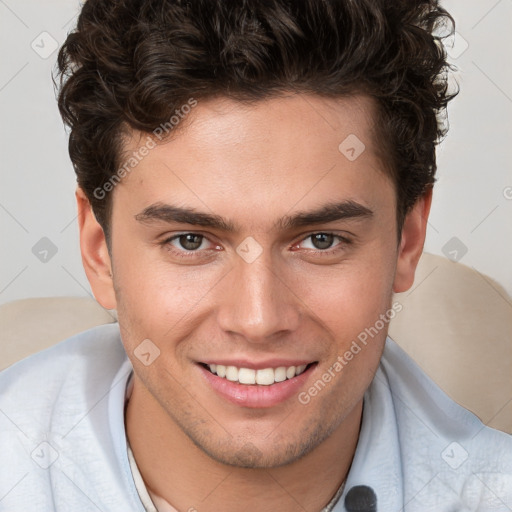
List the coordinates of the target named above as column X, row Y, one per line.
column 361, row 498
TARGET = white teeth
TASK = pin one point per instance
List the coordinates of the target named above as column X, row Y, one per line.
column 232, row 373
column 300, row 369
column 280, row 374
column 263, row 377
column 247, row 376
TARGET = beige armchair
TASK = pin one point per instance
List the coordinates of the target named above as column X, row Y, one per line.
column 455, row 323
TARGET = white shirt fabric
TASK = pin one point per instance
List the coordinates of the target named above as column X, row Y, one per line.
column 63, row 443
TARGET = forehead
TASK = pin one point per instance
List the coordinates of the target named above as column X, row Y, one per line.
column 279, row 151
column 225, row 121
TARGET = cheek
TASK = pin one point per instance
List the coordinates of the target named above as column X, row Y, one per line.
column 352, row 297
column 159, row 301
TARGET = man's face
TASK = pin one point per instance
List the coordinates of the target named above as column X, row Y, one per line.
column 268, row 293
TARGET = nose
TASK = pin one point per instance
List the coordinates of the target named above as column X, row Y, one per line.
column 257, row 302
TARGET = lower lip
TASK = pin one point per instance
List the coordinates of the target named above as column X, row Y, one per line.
column 256, row 396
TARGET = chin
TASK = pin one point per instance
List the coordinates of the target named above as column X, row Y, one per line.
column 281, row 448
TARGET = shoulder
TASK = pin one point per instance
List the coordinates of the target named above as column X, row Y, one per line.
column 96, row 349
column 59, row 382
column 61, row 426
column 414, row 391
column 439, row 437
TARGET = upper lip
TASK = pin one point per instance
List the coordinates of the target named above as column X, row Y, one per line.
column 259, row 365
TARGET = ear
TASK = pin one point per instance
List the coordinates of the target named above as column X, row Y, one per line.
column 411, row 243
column 95, row 256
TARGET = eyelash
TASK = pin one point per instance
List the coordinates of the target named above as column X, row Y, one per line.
column 183, row 253
column 188, row 254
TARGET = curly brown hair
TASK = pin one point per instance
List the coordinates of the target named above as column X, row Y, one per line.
column 130, row 64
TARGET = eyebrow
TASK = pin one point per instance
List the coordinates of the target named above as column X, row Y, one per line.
column 345, row 210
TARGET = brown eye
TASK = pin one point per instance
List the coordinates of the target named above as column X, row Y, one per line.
column 193, row 248
column 322, row 240
column 324, row 244
column 190, row 241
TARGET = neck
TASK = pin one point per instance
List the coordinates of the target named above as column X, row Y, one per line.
column 175, row 469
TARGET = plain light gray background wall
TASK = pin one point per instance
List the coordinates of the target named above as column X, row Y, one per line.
column 471, row 217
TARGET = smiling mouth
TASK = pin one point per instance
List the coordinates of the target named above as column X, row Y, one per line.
column 262, row 377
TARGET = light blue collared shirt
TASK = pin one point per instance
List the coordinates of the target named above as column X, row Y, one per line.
column 63, row 443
